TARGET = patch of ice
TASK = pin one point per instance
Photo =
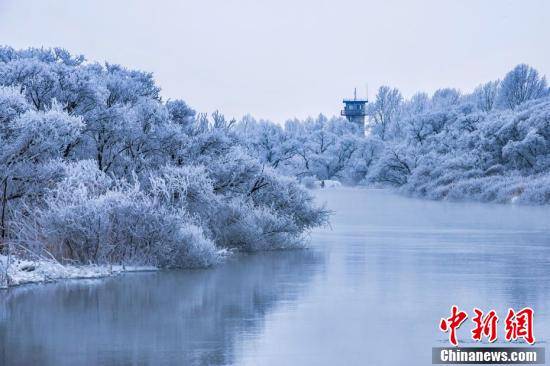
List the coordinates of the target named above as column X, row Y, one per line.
column 22, row 271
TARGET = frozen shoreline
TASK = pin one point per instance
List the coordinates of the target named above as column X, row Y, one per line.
column 22, row 272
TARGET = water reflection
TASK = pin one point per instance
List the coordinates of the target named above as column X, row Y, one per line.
column 395, row 265
column 185, row 318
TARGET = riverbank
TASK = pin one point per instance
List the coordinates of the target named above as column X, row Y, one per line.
column 21, row 272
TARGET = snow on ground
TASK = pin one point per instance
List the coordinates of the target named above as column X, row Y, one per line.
column 24, row 271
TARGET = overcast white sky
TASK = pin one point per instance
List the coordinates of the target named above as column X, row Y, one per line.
column 281, row 59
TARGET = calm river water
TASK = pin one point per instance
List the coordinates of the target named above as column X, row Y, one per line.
column 370, row 291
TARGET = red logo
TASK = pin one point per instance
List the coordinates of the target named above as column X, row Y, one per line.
column 485, row 325
column 452, row 323
column 520, row 325
column 517, row 325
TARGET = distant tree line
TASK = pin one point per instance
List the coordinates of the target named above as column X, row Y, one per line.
column 490, row 145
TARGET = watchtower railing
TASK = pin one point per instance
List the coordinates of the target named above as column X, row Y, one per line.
column 352, row 112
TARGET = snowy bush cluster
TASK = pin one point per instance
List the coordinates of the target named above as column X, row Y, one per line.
column 96, row 168
column 490, row 145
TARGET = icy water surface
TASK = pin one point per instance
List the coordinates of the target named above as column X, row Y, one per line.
column 370, row 291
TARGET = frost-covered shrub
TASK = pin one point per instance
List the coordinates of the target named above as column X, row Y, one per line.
column 185, row 187
column 242, row 203
column 242, row 226
column 121, row 226
column 89, row 217
column 289, row 201
column 275, row 216
column 537, row 190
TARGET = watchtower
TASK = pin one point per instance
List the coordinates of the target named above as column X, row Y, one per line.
column 354, row 110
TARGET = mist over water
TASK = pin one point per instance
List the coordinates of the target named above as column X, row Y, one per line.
column 370, row 291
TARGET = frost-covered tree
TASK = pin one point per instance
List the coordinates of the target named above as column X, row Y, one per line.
column 384, row 112
column 520, row 85
column 267, row 139
column 419, row 103
column 30, row 145
column 445, row 98
column 485, row 95
column 180, row 113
